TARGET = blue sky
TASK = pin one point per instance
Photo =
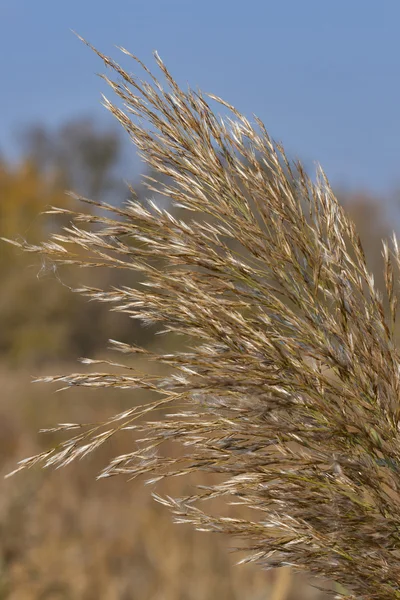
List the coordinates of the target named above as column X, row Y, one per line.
column 323, row 75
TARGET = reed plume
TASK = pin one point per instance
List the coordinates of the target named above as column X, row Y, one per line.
column 287, row 388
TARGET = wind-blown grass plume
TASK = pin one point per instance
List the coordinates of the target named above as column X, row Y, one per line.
column 289, row 386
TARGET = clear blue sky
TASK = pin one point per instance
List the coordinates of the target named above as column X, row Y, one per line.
column 323, row 75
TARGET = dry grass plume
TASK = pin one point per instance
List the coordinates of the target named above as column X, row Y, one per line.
column 288, row 387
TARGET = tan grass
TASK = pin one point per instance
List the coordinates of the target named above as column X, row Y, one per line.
column 68, row 536
column 288, row 390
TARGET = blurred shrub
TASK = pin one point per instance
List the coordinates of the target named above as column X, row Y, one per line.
column 42, row 320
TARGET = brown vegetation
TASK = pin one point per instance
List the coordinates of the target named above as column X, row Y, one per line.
column 64, row 535
column 282, row 384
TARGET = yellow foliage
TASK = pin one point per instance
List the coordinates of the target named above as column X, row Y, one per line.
column 24, row 193
column 40, row 319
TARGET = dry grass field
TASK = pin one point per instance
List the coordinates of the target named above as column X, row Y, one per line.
column 66, row 536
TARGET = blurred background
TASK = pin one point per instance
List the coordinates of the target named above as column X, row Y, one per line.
column 324, row 77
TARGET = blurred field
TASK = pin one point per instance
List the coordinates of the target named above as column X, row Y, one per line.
column 64, row 535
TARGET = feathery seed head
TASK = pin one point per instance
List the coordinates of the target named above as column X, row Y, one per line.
column 288, row 389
